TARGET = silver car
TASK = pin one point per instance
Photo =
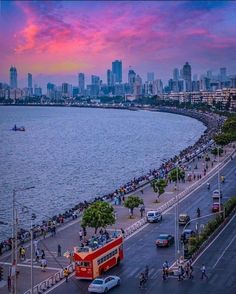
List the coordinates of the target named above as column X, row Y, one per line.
column 103, row 285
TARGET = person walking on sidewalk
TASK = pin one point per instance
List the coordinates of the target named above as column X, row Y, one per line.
column 203, row 271
column 58, row 250
column 146, row 272
column 66, row 274
column 80, row 235
column 43, row 264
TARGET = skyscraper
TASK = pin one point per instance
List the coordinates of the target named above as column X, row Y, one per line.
column 117, row 71
column 30, row 81
column 176, row 74
column 30, row 85
column 81, row 83
column 110, row 78
column 131, row 79
column 13, row 77
column 187, row 76
column 222, row 74
column 150, row 76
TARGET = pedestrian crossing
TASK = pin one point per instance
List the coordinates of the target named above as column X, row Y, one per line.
column 153, row 274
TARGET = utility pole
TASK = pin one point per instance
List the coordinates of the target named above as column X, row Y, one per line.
column 33, row 217
column 14, row 245
column 13, row 272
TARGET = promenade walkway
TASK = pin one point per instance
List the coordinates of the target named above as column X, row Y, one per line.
column 68, row 234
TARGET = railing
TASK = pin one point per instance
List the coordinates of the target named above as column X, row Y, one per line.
column 51, row 281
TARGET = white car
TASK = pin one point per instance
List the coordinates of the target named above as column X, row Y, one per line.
column 103, row 285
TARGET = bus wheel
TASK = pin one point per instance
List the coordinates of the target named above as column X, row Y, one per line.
column 118, row 261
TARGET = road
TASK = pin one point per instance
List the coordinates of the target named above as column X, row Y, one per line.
column 141, row 250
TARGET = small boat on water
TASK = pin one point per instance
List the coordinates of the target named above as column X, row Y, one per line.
column 15, row 128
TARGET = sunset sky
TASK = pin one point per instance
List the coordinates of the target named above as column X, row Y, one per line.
column 55, row 40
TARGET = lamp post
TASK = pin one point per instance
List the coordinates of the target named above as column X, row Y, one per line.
column 14, row 238
column 33, row 217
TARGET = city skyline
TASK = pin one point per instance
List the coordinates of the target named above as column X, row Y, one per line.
column 145, row 35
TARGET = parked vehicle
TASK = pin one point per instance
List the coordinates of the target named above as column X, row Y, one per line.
column 184, row 218
column 216, row 198
column 187, row 233
column 165, row 240
column 154, row 216
column 103, row 285
column 216, row 207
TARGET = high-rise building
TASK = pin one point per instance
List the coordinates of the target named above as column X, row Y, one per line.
column 110, row 78
column 195, row 77
column 150, row 76
column 187, row 76
column 13, row 77
column 117, row 71
column 233, row 81
column 81, row 82
column 138, row 86
column 30, row 81
column 176, row 74
column 157, row 87
column 131, row 79
column 223, row 74
column 209, row 74
column 37, row 91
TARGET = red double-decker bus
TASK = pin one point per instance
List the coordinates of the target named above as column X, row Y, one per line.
column 93, row 260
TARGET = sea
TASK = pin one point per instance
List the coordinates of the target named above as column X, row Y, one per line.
column 71, row 154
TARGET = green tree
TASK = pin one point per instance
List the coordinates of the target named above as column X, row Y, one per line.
column 223, row 139
column 158, row 186
column 132, row 202
column 98, row 215
column 177, row 172
column 215, row 151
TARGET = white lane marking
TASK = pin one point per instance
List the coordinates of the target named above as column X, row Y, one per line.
column 224, row 252
column 214, row 239
column 28, row 265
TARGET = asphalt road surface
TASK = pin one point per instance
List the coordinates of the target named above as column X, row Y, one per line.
column 140, row 250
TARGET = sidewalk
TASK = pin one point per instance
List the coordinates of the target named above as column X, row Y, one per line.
column 68, row 235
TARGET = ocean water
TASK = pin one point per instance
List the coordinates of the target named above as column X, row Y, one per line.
column 74, row 154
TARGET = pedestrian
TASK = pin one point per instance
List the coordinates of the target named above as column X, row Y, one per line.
column 179, row 273
column 59, row 250
column 146, row 272
column 203, row 271
column 66, row 274
column 22, row 253
column 122, row 232
column 84, row 231
column 43, row 264
column 80, row 235
column 9, row 282
column 190, row 272
column 42, row 254
column 163, row 273
column 35, row 245
column 141, row 280
column 141, row 191
column 37, row 255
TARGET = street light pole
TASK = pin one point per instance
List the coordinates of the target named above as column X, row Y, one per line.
column 13, row 269
column 33, row 216
column 14, row 240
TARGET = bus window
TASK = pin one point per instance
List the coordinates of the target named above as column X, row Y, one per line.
column 83, row 263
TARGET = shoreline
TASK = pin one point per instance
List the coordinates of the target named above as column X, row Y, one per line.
column 212, row 123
